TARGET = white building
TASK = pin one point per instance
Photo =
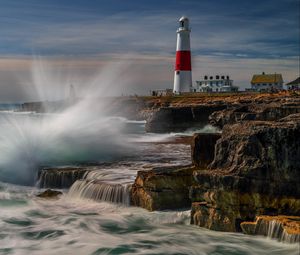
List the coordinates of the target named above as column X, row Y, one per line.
column 294, row 85
column 266, row 82
column 215, row 84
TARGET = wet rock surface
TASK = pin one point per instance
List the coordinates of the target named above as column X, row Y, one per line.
column 61, row 177
column 284, row 228
column 49, row 193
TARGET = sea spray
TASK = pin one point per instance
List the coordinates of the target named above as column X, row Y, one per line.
column 77, row 132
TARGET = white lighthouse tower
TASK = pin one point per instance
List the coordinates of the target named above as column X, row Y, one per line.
column 183, row 67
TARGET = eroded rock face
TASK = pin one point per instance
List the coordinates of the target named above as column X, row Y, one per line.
column 203, row 148
column 261, row 151
column 255, row 171
column 225, row 210
column 162, row 188
column 176, row 119
column 283, row 228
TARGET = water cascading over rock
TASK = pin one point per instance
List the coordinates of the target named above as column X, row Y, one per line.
column 101, row 191
column 60, row 178
column 283, row 228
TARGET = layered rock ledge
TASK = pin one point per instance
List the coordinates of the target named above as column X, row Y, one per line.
column 259, row 110
column 283, row 228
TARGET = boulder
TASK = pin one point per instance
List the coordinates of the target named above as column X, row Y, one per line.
column 162, row 188
column 49, row 193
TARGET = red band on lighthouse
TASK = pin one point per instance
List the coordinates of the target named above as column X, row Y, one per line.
column 183, row 61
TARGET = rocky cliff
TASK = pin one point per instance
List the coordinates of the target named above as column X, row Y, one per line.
column 252, row 168
column 256, row 170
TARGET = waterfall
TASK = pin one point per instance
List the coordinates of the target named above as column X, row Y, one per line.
column 101, row 191
column 283, row 228
column 60, row 177
column 275, row 229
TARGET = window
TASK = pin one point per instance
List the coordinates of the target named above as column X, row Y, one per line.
column 182, row 23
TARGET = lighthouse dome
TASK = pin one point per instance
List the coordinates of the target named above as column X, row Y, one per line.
column 183, row 23
column 183, row 18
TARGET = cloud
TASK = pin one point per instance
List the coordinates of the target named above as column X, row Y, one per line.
column 233, row 38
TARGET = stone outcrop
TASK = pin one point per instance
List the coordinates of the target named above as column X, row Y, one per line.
column 49, row 193
column 177, row 119
column 61, row 177
column 162, row 188
column 255, row 171
column 283, row 228
column 255, row 110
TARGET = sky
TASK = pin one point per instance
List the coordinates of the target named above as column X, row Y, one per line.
column 76, row 41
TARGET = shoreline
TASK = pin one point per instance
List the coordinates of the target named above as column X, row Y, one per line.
column 238, row 174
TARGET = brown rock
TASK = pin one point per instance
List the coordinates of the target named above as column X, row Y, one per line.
column 49, row 193
column 203, row 148
column 177, row 119
column 162, row 188
column 284, row 228
column 256, row 170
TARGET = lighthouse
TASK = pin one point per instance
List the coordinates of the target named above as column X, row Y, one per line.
column 183, row 67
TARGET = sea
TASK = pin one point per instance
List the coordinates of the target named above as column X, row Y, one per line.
column 78, row 223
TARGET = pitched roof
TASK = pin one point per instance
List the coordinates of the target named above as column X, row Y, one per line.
column 295, row 82
column 267, row 78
